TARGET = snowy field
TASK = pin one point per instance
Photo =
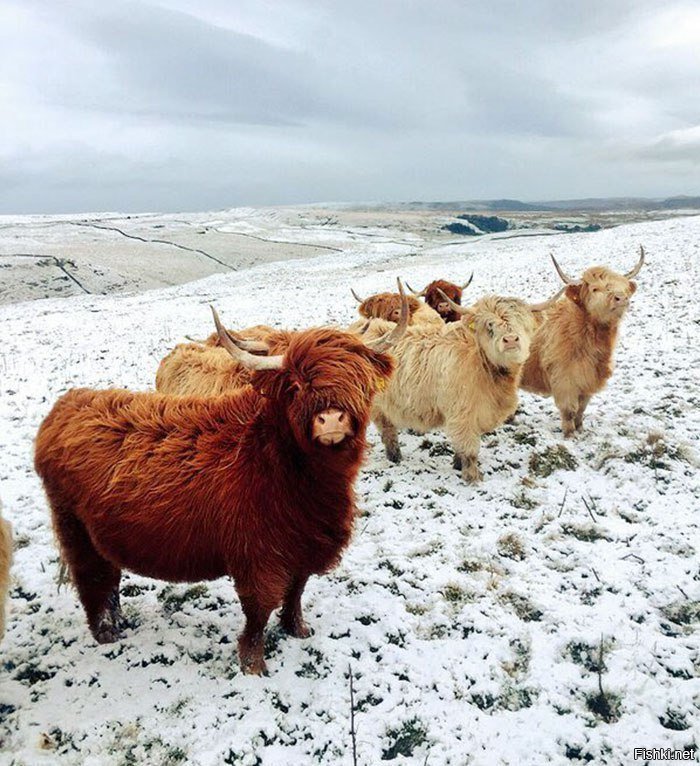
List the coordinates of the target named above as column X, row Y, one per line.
column 546, row 616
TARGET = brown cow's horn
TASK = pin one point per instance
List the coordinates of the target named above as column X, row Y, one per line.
column 467, row 283
column 546, row 304
column 356, row 296
column 421, row 294
column 454, row 306
column 392, row 338
column 564, row 278
column 640, row 263
column 245, row 358
column 194, row 340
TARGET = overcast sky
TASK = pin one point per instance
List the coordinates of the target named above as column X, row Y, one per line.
column 206, row 104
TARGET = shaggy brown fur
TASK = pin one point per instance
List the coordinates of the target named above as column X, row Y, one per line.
column 5, row 562
column 193, row 369
column 571, row 353
column 194, row 488
column 437, row 302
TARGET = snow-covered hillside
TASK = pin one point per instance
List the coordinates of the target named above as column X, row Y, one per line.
column 479, row 624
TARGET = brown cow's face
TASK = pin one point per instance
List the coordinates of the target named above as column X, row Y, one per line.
column 386, row 306
column 604, row 293
column 326, row 387
column 503, row 327
column 437, row 302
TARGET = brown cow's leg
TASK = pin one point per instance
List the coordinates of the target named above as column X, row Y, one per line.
column 582, row 404
column 568, row 405
column 291, row 618
column 251, row 643
column 96, row 580
column 390, row 438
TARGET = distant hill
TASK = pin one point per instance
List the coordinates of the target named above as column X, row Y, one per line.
column 589, row 204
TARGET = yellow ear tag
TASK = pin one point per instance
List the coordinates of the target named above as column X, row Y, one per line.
column 471, row 325
column 380, row 384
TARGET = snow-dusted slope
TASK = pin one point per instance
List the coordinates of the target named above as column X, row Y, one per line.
column 472, row 619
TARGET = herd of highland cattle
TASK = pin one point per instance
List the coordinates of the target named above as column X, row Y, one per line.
column 244, row 459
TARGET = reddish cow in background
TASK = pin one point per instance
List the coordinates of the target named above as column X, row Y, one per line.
column 256, row 484
column 571, row 353
column 434, row 296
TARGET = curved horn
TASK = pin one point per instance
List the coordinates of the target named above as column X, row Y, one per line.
column 249, row 345
column 194, row 340
column 356, row 296
column 454, row 306
column 390, row 339
column 564, row 277
column 640, row 263
column 421, row 294
column 245, row 358
column 546, row 304
column 467, row 283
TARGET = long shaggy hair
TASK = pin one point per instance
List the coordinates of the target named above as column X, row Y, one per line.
column 434, row 299
column 458, row 377
column 5, row 562
column 387, row 306
column 194, row 369
column 572, row 352
column 195, row 488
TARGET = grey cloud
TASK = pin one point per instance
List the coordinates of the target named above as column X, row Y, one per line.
column 138, row 105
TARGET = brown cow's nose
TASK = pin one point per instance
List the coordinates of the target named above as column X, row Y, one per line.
column 331, row 426
column 511, row 341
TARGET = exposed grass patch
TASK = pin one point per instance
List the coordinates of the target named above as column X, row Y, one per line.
column 655, row 453
column 587, row 533
column 684, row 614
column 552, row 459
column 523, row 500
column 520, row 437
column 441, row 448
column 587, row 655
column 173, row 598
column 456, row 594
column 404, row 740
column 511, row 546
column 522, row 606
column 674, row 720
column 605, row 705
column 470, row 565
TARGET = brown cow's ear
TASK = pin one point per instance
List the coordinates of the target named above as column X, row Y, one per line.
column 267, row 382
column 573, row 293
column 469, row 317
column 633, row 288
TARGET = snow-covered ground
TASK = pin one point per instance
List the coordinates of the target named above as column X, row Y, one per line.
column 479, row 624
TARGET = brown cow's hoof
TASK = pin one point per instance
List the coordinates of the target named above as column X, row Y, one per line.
column 296, row 629
column 457, row 462
column 107, row 634
column 393, row 454
column 253, row 666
